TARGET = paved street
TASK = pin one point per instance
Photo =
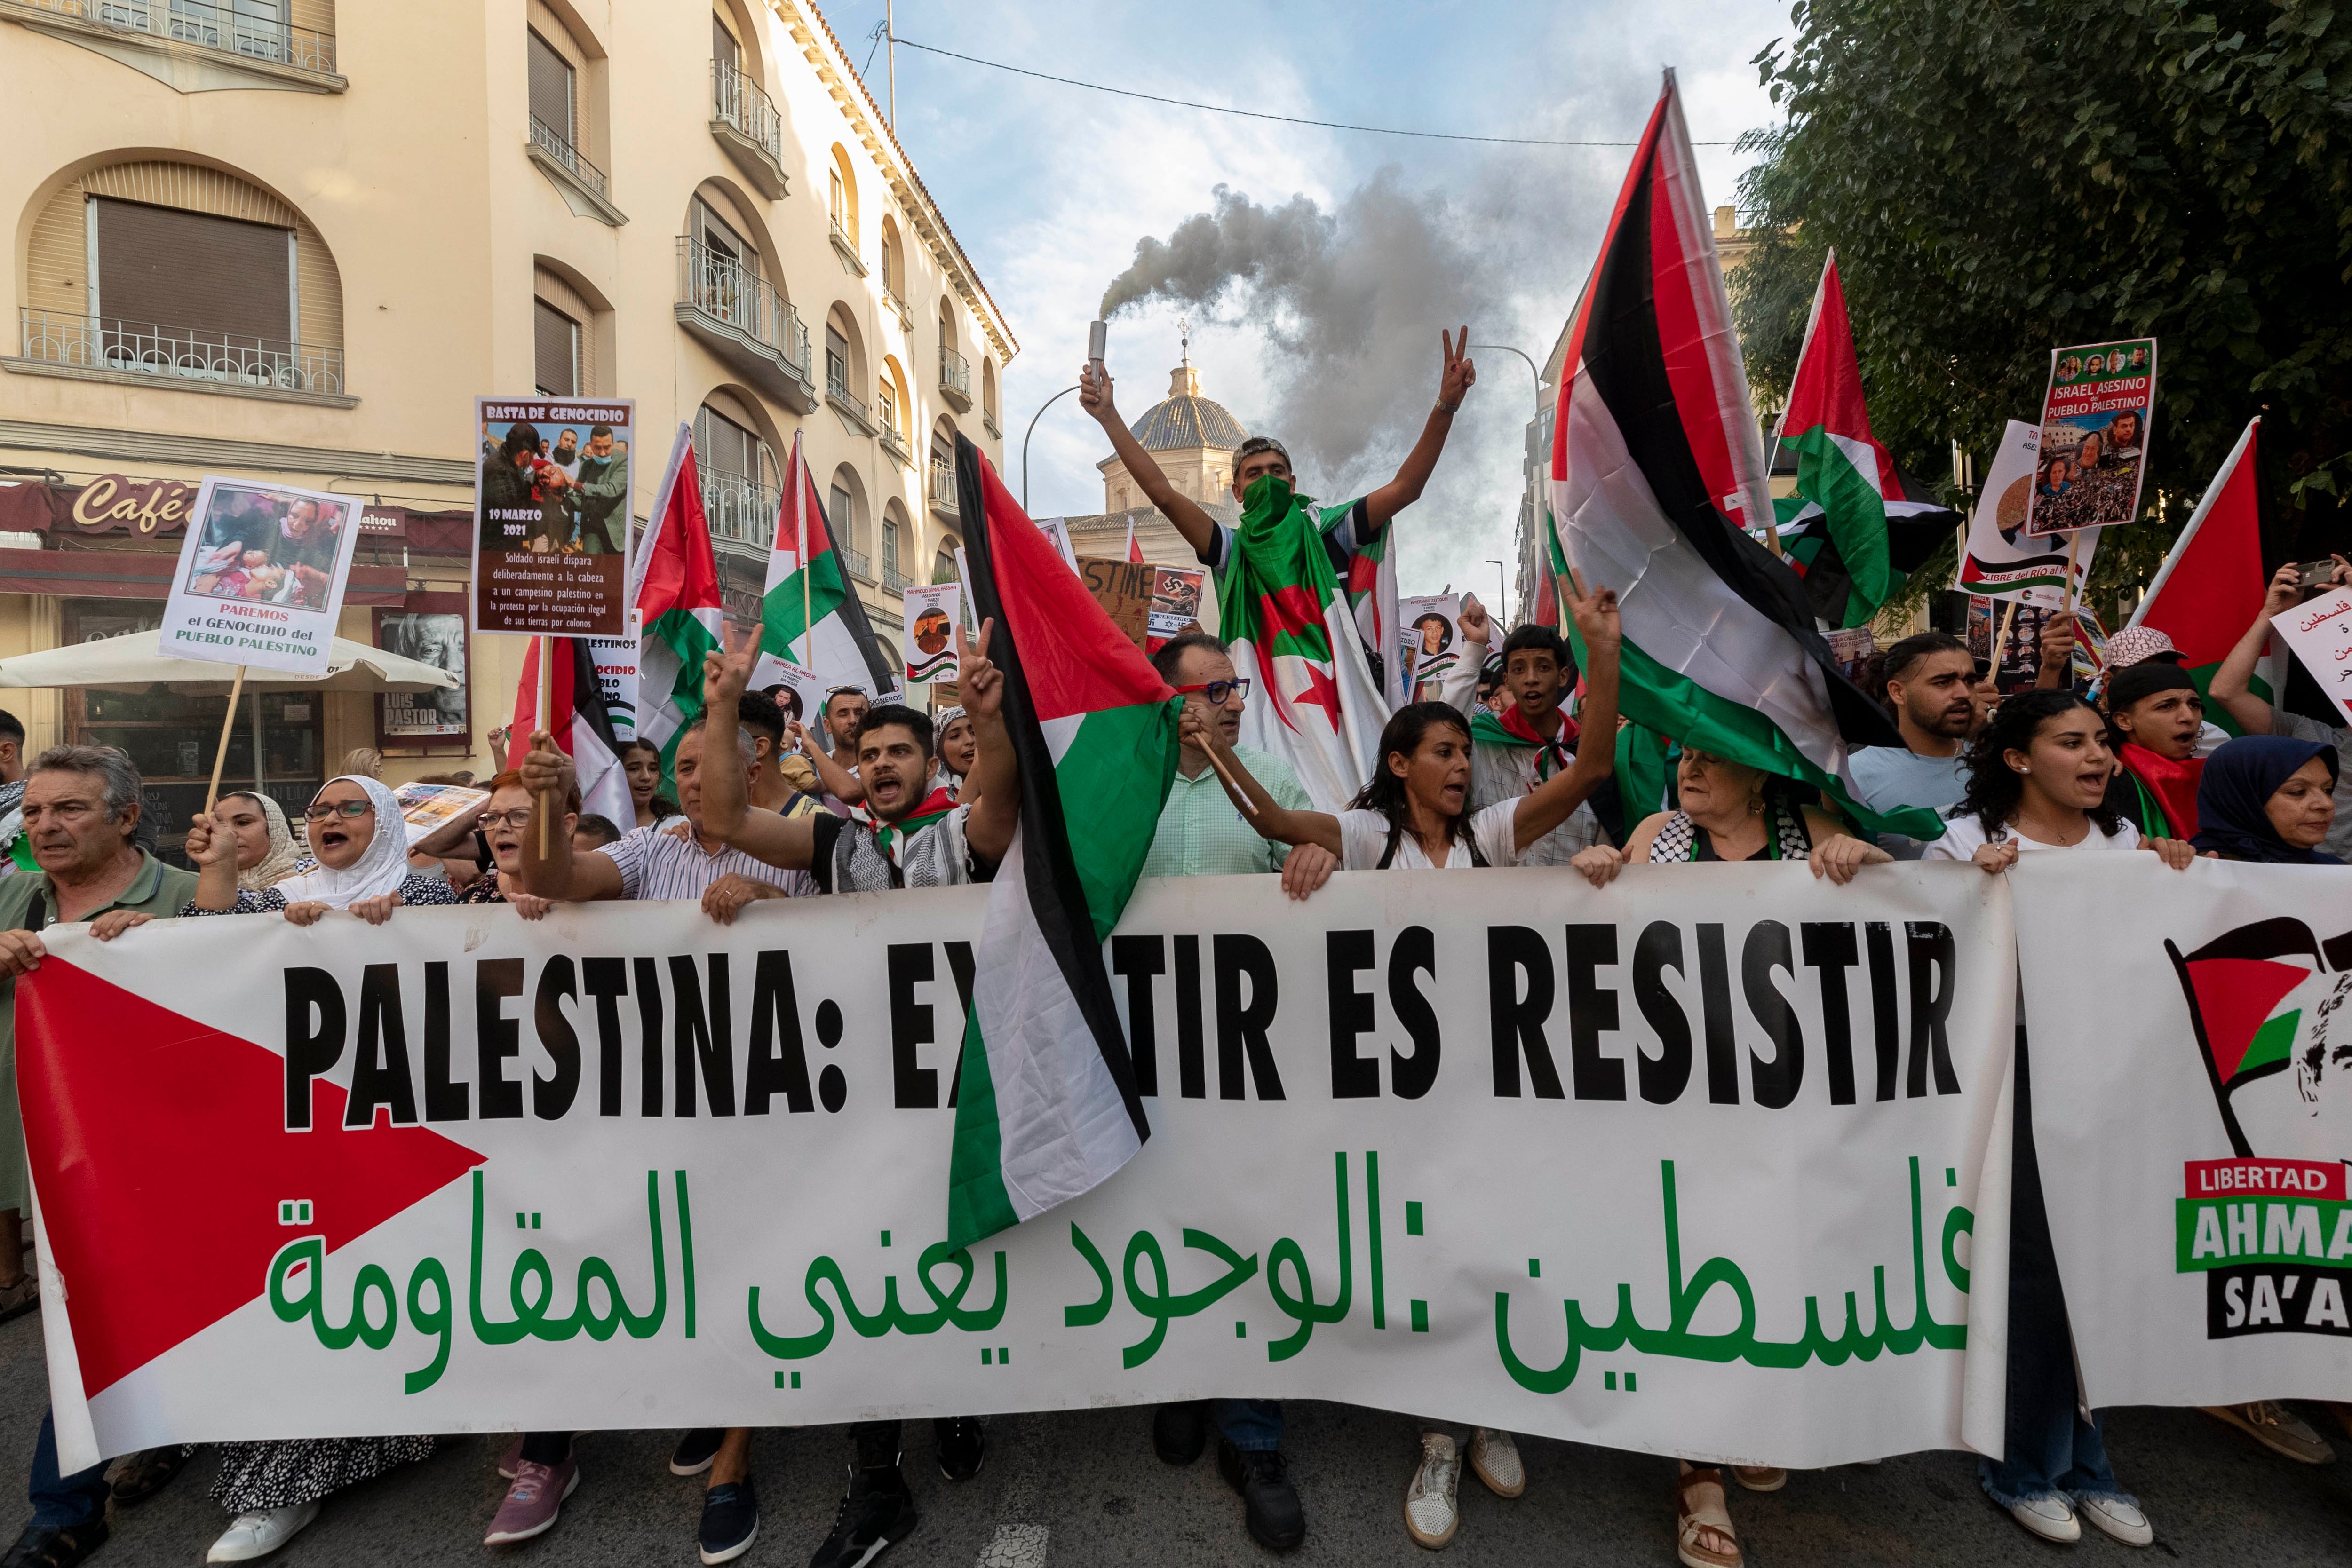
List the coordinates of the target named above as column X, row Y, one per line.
column 1083, row 1489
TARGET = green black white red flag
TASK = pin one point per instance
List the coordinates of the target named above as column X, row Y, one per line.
column 2211, row 586
column 1045, row 1099
column 678, row 608
column 1658, row 475
column 807, row 587
column 579, row 722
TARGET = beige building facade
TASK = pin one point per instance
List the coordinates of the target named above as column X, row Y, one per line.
column 291, row 240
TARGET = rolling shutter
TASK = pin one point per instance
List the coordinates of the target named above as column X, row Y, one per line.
column 556, row 350
column 215, row 279
column 551, row 90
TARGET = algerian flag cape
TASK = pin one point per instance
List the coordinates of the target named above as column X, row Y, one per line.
column 1316, row 704
column 1373, row 600
column 1045, row 1099
column 1658, row 474
column 807, row 587
column 2211, row 586
column 678, row 608
column 1848, row 492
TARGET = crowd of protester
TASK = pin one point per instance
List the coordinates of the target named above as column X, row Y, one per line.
column 1499, row 772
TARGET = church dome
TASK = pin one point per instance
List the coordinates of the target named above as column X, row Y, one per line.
column 1187, row 421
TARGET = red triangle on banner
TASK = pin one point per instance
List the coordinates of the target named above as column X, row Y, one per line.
column 160, row 1155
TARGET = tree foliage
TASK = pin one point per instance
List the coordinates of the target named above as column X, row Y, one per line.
column 2002, row 177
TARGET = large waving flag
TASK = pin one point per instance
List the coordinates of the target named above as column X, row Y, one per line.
column 1295, row 634
column 1373, row 600
column 1848, row 492
column 1658, row 475
column 678, row 608
column 582, row 726
column 807, row 587
column 1046, row 1102
column 2211, row 586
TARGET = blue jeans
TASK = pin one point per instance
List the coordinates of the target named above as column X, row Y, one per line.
column 2051, row 1448
column 61, row 1502
column 1252, row 1425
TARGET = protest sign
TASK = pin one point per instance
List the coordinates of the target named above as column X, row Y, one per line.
column 1697, row 1165
column 1175, row 603
column 1124, row 589
column 1058, row 530
column 260, row 579
column 2000, row 563
column 1851, row 649
column 1430, row 626
column 431, row 632
column 551, row 516
column 2095, row 420
column 427, row 807
column 616, row 674
column 2319, row 632
column 2193, row 1125
column 930, row 634
column 798, row 692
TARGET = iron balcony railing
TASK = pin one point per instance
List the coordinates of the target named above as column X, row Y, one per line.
column 943, row 487
column 836, row 390
column 857, row 562
column 207, row 26
column 955, row 372
column 738, row 509
column 988, row 423
column 894, row 580
column 722, row 287
column 179, row 354
column 556, row 145
column 893, row 441
column 742, row 103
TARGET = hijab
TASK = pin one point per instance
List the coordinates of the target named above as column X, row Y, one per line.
column 382, row 867
column 279, row 864
column 941, row 774
column 2232, row 799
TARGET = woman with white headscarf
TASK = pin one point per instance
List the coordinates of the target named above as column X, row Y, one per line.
column 956, row 750
column 266, row 854
column 361, row 845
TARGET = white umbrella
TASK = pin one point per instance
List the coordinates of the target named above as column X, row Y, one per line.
column 132, row 663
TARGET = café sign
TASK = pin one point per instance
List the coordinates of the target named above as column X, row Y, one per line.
column 115, row 503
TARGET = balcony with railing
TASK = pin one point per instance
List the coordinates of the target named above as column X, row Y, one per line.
column 988, row 423
column 897, row 307
column 744, row 120
column 894, row 440
column 943, row 490
column 584, row 185
column 854, row 562
column 213, row 33
column 845, row 245
column 846, row 403
column 741, row 509
column 740, row 316
column 107, row 348
column 955, row 379
column 894, row 580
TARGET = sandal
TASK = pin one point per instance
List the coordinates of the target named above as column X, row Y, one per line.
column 24, row 1296
column 1695, row 1515
column 148, row 1472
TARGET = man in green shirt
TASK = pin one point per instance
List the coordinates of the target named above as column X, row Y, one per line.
column 81, row 819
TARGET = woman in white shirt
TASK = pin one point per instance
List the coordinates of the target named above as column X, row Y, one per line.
column 2037, row 781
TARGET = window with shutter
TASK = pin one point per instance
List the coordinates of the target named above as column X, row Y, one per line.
column 840, row 513
column 552, row 89
column 556, row 350
column 723, row 46
column 836, row 362
column 204, row 278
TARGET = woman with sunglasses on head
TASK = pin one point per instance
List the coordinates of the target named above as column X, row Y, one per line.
column 360, row 843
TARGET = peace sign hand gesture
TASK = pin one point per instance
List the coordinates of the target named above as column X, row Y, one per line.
column 979, row 683
column 1460, row 375
column 1596, row 614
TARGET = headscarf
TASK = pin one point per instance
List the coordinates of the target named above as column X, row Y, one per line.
column 382, row 867
column 2232, row 799
column 943, row 774
column 279, row 864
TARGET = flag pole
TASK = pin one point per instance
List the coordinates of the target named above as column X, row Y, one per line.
column 548, row 801
column 220, row 752
column 2073, row 544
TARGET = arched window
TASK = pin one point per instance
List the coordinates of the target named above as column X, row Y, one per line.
column 845, row 509
column 738, row 473
column 892, row 404
column 891, row 578
column 842, row 201
column 955, row 371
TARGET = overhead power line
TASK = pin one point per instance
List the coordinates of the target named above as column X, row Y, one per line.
column 1254, row 114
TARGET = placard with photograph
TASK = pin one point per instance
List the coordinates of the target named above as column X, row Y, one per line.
column 426, row 807
column 1430, row 626
column 261, row 575
column 432, row 631
column 2096, row 419
column 1057, row 532
column 551, row 516
column 930, row 634
column 798, row 692
column 1175, row 602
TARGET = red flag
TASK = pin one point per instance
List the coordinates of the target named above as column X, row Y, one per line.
column 2210, row 587
column 582, row 724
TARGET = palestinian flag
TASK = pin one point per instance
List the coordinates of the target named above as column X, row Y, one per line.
column 1372, row 601
column 2211, row 586
column 582, row 726
column 677, row 596
column 1047, row 1104
column 1295, row 634
column 1657, row 475
column 807, row 587
column 2249, row 990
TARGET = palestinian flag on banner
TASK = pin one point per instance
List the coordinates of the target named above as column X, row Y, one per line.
column 1045, row 1099
column 1295, row 634
column 582, row 725
column 807, row 587
column 1657, row 475
column 677, row 596
column 2248, row 992
column 1848, row 493
column 2211, row 586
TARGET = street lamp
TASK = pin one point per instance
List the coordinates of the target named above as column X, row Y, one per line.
column 1031, row 431
column 1536, row 370
column 1501, row 589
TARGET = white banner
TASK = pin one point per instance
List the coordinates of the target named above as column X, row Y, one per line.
column 261, row 575
column 1698, row 1164
column 2192, row 1116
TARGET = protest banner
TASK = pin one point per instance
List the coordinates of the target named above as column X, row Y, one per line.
column 1431, row 628
column 2000, row 564
column 426, row 807
column 1124, row 589
column 1175, row 604
column 2319, row 633
column 551, row 516
column 261, row 575
column 2207, row 1251
column 2096, row 416
column 1711, row 1163
column 930, row 634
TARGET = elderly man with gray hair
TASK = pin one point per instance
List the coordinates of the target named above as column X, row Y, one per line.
column 81, row 818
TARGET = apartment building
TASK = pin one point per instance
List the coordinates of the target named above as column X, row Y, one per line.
column 293, row 239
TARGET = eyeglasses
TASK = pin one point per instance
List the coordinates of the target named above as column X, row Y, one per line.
column 1218, row 691
column 317, row 813
column 505, row 818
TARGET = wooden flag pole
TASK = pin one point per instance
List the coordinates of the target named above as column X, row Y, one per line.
column 549, row 801
column 220, row 752
column 2000, row 639
column 2073, row 544
column 1241, row 796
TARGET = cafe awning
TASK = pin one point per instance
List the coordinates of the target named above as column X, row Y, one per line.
column 132, row 662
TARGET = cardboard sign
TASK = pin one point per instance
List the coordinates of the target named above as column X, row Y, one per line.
column 1124, row 589
column 1429, row 626
column 2319, row 630
column 2096, row 419
column 261, row 574
column 930, row 634
column 551, row 516
column 426, row 807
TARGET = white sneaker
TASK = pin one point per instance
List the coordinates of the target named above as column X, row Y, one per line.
column 2118, row 1520
column 1495, row 1459
column 2047, row 1516
column 260, row 1532
column 1429, row 1513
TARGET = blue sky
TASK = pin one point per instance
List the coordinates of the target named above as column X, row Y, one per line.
column 1049, row 187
